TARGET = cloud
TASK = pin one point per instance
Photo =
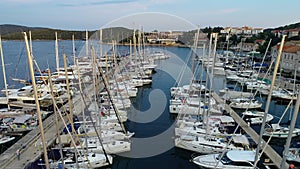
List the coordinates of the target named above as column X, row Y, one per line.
column 26, row 1
column 155, row 2
column 217, row 12
column 228, row 11
column 93, row 3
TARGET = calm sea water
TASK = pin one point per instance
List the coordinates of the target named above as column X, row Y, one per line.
column 147, row 101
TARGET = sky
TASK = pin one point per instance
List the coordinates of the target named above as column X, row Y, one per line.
column 149, row 14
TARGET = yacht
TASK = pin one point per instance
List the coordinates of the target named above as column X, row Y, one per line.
column 277, row 131
column 89, row 160
column 23, row 123
column 5, row 139
column 230, row 160
column 294, row 155
column 256, row 117
column 110, row 146
column 245, row 103
column 206, row 144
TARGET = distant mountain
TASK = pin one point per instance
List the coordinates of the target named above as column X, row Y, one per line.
column 14, row 32
column 7, row 29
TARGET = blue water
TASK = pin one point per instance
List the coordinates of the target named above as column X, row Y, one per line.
column 16, row 62
column 147, row 101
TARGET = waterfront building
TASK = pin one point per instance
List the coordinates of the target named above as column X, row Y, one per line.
column 245, row 30
column 289, row 32
column 290, row 60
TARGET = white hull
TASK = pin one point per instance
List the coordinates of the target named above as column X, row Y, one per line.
column 211, row 161
column 204, row 146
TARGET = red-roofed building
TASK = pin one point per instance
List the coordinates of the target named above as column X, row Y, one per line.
column 293, row 32
column 289, row 32
column 290, row 58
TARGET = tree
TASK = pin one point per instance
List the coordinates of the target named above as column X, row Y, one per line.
column 234, row 39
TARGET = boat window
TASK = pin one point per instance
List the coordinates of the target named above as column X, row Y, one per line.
column 226, row 160
column 69, row 162
column 242, row 163
column 29, row 101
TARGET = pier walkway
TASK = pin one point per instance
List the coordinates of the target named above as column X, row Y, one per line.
column 31, row 142
column 269, row 151
column 30, row 150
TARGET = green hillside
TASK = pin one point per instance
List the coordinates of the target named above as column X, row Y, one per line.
column 15, row 32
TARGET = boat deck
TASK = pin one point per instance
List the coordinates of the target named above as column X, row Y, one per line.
column 269, row 151
column 32, row 151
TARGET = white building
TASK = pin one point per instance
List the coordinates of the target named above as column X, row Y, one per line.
column 290, row 59
column 246, row 30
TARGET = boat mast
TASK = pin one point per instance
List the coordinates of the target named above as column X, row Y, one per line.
column 139, row 46
column 294, row 88
column 100, row 39
column 259, row 144
column 143, row 42
column 56, row 52
column 70, row 102
column 68, row 90
column 86, row 43
column 4, row 74
column 130, row 50
column 134, row 45
column 56, row 118
column 106, row 62
column 95, row 73
column 74, row 50
column 36, row 102
column 194, row 51
column 202, row 66
column 30, row 42
column 289, row 138
column 106, row 86
column 214, row 35
column 207, row 73
column 114, row 43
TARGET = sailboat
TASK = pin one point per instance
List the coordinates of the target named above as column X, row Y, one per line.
column 112, row 146
column 5, row 139
column 255, row 117
column 210, row 140
column 277, row 131
column 90, row 160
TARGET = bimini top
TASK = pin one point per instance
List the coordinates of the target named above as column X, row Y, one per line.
column 241, row 139
column 22, row 119
column 236, row 155
column 223, row 119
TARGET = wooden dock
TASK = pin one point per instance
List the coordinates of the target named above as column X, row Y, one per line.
column 269, row 151
column 33, row 149
column 29, row 144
